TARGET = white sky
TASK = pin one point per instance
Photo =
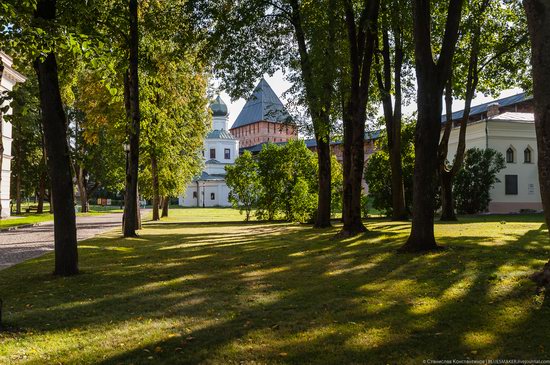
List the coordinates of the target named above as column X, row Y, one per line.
column 280, row 85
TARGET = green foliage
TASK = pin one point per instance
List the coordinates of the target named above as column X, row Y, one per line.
column 288, row 179
column 378, row 171
column 476, row 178
column 336, row 184
column 242, row 179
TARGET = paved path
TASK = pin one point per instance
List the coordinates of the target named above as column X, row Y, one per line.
column 27, row 243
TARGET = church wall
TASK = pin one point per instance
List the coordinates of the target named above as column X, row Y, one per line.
column 204, row 194
column 500, row 135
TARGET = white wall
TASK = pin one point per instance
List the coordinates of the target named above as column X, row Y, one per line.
column 218, row 188
column 500, row 135
column 6, row 84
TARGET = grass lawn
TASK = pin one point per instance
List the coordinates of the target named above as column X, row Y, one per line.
column 33, row 218
column 261, row 293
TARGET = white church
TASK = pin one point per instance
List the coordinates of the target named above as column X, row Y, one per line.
column 221, row 148
column 8, row 78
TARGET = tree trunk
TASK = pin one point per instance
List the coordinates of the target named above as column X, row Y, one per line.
column 319, row 102
column 325, row 194
column 82, row 184
column 165, row 206
column 41, row 192
column 431, row 78
column 538, row 20
column 393, row 117
column 58, row 159
column 447, row 202
column 156, row 197
column 361, row 37
column 131, row 208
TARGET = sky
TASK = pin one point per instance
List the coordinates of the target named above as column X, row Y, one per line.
column 280, row 85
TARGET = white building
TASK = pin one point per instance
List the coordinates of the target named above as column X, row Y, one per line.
column 512, row 134
column 8, row 78
column 220, row 149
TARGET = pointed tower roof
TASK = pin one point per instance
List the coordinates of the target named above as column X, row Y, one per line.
column 263, row 105
column 218, row 107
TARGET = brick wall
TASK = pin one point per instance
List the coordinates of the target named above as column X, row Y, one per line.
column 263, row 131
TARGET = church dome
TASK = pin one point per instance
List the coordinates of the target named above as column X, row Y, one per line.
column 218, row 107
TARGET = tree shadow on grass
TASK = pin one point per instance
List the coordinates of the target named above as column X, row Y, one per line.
column 287, row 295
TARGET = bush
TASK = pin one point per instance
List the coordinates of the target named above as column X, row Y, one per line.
column 476, row 178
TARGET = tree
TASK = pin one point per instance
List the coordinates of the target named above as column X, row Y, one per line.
column 389, row 77
column 432, row 76
column 300, row 37
column 476, row 178
column 538, row 20
column 378, row 172
column 361, row 36
column 242, row 180
column 131, row 88
column 54, row 122
column 491, row 31
column 29, row 172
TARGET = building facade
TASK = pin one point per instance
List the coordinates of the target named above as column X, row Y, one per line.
column 220, row 149
column 263, row 119
column 8, row 79
column 512, row 134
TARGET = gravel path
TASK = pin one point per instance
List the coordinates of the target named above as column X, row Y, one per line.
column 22, row 244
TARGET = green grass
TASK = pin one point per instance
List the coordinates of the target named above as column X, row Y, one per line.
column 34, row 218
column 204, row 215
column 26, row 218
column 261, row 293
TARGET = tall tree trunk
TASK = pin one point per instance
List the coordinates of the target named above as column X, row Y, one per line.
column 54, row 123
column 165, row 206
column 82, row 183
column 319, row 102
column 324, row 200
column 448, row 173
column 393, row 116
column 131, row 208
column 41, row 192
column 156, row 197
column 538, row 20
column 431, row 77
column 361, row 38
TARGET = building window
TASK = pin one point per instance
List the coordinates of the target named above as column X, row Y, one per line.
column 212, row 153
column 527, row 155
column 194, row 195
column 510, row 155
column 511, row 184
column 227, row 154
column 212, row 196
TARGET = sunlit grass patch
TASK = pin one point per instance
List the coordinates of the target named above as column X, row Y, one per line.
column 228, row 293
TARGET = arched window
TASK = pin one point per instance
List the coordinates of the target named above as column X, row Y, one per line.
column 510, row 155
column 527, row 155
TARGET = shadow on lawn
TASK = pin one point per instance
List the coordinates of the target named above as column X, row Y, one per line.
column 291, row 294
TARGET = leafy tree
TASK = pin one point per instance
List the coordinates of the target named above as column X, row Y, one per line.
column 378, row 172
column 476, row 178
column 361, row 23
column 393, row 71
column 242, row 179
column 29, row 173
column 538, row 20
column 492, row 31
column 432, row 75
column 300, row 37
column 287, row 177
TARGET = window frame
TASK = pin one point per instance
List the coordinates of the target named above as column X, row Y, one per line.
column 212, row 153
column 530, row 152
column 508, row 188
column 227, row 153
column 513, row 152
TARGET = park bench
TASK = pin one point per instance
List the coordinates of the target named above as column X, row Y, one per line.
column 32, row 208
